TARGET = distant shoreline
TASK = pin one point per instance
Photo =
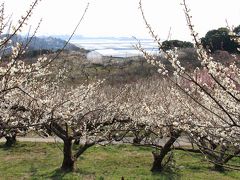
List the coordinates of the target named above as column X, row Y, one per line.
column 115, row 47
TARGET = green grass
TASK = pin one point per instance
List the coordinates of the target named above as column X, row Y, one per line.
column 42, row 160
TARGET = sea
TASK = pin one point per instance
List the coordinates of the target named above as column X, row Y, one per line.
column 116, row 47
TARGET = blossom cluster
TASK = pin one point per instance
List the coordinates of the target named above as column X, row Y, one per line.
column 213, row 98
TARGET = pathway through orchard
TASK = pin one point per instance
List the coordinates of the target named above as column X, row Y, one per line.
column 182, row 141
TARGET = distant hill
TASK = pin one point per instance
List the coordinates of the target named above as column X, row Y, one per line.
column 66, row 37
column 51, row 43
column 81, row 37
column 46, row 43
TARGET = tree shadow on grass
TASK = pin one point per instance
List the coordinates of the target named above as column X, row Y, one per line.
column 195, row 168
column 224, row 172
column 169, row 174
column 59, row 174
column 13, row 147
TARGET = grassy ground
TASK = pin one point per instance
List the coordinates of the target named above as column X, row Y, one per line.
column 41, row 161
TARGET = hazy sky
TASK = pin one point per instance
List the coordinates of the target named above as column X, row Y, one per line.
column 123, row 18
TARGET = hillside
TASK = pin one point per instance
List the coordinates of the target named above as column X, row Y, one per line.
column 40, row 43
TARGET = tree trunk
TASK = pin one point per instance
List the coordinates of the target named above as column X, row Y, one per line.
column 158, row 158
column 77, row 141
column 220, row 160
column 157, row 163
column 82, row 149
column 10, row 140
column 137, row 140
column 68, row 161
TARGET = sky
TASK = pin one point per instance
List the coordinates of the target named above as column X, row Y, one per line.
column 120, row 18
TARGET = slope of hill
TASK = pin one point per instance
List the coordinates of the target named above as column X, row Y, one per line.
column 46, row 43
